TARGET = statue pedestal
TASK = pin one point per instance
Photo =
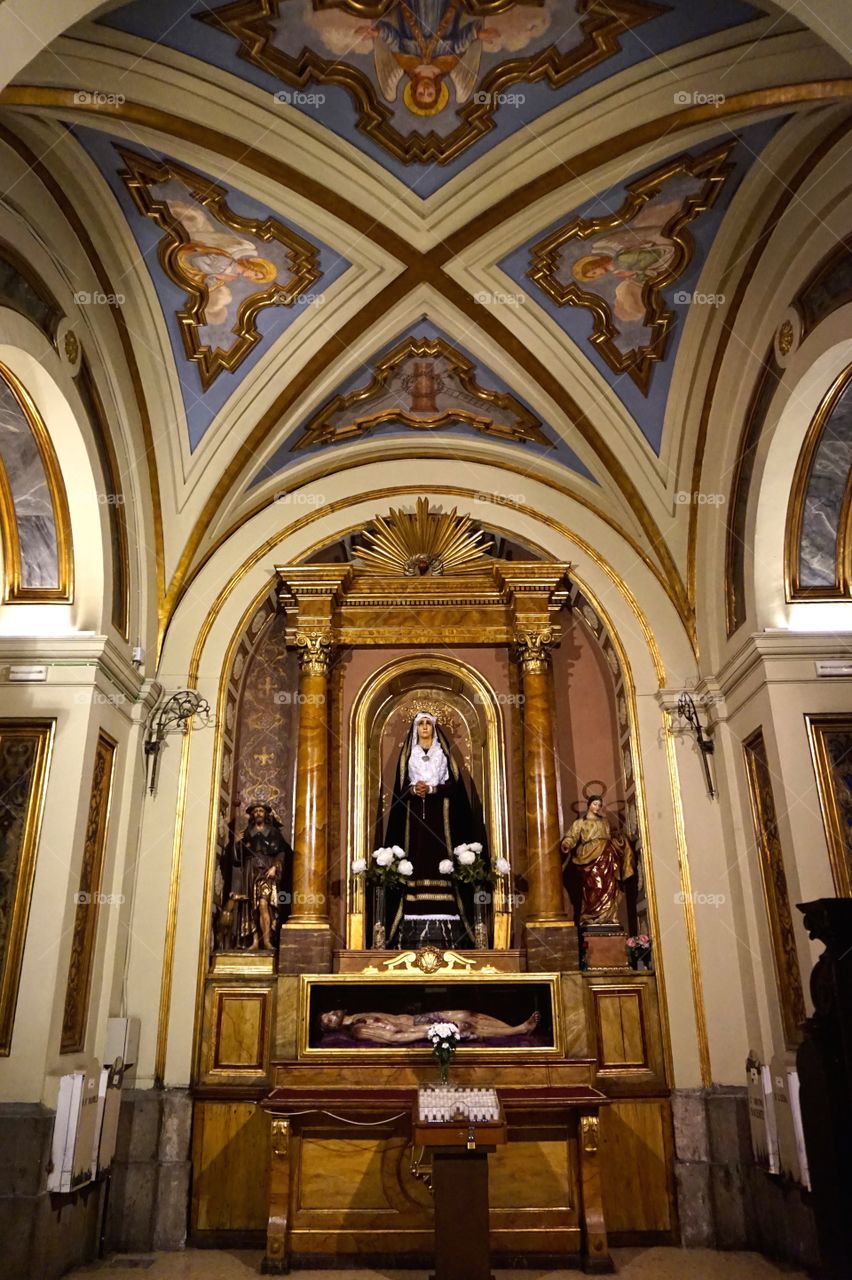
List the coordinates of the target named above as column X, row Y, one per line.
column 605, row 946
column 305, row 948
column 551, row 947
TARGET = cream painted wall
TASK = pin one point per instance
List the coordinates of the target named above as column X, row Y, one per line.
column 772, row 685
column 85, row 690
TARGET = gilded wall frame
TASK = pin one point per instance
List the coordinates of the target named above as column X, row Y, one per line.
column 88, row 897
column 415, row 983
column 842, row 585
column 785, row 955
column 15, row 591
column 835, row 795
column 714, row 167
column 25, row 751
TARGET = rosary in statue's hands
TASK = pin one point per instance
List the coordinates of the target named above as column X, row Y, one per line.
column 421, row 788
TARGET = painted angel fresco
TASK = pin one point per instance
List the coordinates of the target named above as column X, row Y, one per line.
column 633, row 256
column 217, row 260
column 427, row 42
column 230, row 266
column 617, row 265
column 448, row 64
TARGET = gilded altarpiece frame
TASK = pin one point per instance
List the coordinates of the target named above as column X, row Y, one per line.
column 460, row 697
column 784, row 953
column 25, row 749
column 88, row 897
column 830, row 738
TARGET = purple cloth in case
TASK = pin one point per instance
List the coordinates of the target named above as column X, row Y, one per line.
column 340, row 1040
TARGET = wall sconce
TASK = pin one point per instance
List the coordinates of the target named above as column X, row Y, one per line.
column 178, row 709
column 688, row 711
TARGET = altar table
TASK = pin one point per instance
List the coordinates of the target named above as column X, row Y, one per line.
column 569, row 1113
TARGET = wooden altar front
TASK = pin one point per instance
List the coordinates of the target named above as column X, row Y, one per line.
column 388, row 1218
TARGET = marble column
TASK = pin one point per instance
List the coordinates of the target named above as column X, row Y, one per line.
column 305, row 945
column 550, row 937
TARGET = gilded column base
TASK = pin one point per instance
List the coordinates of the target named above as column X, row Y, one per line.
column 551, row 946
column 305, row 948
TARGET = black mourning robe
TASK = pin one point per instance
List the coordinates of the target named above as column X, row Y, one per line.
column 428, row 828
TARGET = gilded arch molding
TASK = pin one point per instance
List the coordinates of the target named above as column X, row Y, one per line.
column 819, row 514
column 35, row 521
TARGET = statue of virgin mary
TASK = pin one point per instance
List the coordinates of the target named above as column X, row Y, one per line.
column 430, row 815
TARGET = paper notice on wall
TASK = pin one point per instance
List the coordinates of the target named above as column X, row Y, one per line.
column 74, row 1131
column 788, row 1147
column 793, row 1090
column 761, row 1114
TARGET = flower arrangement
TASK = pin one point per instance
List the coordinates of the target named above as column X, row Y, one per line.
column 387, row 866
column 639, row 950
column 445, row 1037
column 470, row 867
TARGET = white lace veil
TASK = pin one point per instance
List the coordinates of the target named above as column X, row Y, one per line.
column 431, row 767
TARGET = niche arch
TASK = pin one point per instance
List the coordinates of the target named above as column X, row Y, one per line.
column 467, row 707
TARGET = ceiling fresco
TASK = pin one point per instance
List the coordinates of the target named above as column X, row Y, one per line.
column 231, row 275
column 619, row 274
column 424, row 87
column 422, row 381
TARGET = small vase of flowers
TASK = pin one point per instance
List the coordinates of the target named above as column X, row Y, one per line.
column 445, row 1037
column 639, row 951
column 388, row 867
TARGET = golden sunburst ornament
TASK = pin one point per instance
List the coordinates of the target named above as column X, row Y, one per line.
column 423, row 544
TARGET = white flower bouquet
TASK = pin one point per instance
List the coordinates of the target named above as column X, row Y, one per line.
column 387, row 866
column 471, row 867
column 445, row 1037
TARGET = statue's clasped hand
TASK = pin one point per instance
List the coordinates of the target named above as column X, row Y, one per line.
column 422, row 788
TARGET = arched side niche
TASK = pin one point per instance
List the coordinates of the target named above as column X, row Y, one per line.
column 258, row 736
column 379, row 719
column 84, row 603
column 592, row 693
column 818, row 541
column 34, row 516
column 827, row 291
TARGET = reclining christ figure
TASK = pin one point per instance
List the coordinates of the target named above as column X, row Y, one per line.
column 406, row 1028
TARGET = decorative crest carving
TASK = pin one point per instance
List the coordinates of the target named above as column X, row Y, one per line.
column 428, row 960
column 423, row 544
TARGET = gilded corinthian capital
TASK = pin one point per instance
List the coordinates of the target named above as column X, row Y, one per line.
column 315, row 649
column 532, row 648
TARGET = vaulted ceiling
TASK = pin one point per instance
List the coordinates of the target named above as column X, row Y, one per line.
column 478, row 229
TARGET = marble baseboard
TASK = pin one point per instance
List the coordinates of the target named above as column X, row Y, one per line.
column 725, row 1201
column 43, row 1236
column 151, row 1178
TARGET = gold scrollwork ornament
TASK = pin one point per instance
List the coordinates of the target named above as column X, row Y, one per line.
column 532, row 649
column 280, row 1138
column 315, row 650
